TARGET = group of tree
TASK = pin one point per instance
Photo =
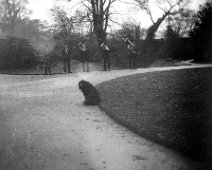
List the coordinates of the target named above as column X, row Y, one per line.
column 187, row 32
column 180, row 21
column 197, row 42
column 16, row 53
column 201, row 34
column 20, row 35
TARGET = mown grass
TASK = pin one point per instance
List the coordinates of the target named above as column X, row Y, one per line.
column 172, row 108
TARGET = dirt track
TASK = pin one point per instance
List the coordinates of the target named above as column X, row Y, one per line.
column 45, row 126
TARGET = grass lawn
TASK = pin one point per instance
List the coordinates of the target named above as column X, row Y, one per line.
column 172, row 108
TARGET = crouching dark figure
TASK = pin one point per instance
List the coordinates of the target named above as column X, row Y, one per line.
column 90, row 93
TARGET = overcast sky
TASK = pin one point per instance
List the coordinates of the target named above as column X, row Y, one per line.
column 40, row 10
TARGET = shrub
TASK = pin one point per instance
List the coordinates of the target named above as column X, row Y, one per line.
column 16, row 53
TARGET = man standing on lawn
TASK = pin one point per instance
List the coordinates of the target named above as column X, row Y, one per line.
column 105, row 51
column 47, row 63
column 84, row 54
column 66, row 59
column 132, row 53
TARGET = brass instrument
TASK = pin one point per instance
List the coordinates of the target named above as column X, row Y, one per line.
column 82, row 46
column 105, row 47
column 66, row 49
column 124, row 39
column 129, row 42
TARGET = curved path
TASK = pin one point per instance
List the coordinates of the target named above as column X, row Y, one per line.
column 45, row 126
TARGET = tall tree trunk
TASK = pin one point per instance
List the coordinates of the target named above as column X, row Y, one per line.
column 100, row 12
column 153, row 28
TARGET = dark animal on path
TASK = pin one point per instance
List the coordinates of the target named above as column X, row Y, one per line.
column 90, row 93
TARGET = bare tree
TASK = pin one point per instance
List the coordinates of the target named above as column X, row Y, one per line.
column 63, row 25
column 132, row 31
column 12, row 12
column 183, row 22
column 98, row 12
column 168, row 7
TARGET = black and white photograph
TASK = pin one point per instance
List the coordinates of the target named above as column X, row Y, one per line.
column 105, row 84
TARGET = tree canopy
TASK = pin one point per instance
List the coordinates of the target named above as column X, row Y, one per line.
column 202, row 32
column 168, row 8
